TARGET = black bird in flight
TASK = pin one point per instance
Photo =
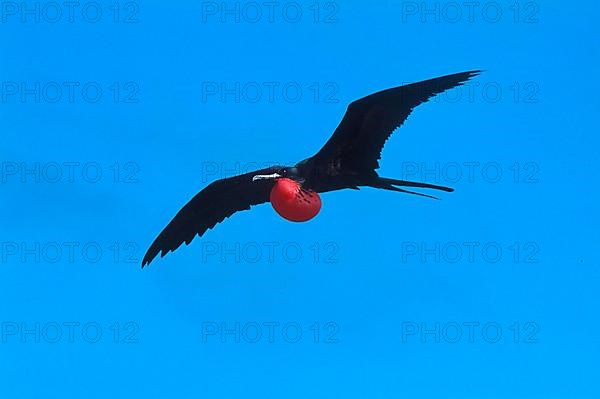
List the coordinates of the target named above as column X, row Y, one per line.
column 347, row 160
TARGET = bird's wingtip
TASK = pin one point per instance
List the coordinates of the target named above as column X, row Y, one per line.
column 148, row 258
column 476, row 72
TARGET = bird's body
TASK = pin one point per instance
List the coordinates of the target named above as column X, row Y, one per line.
column 349, row 159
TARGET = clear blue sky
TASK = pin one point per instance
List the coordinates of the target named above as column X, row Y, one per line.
column 109, row 127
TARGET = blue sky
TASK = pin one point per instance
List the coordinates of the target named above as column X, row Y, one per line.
column 113, row 116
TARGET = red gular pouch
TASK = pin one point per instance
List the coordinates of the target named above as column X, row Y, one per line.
column 294, row 203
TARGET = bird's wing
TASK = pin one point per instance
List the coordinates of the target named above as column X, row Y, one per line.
column 356, row 144
column 219, row 200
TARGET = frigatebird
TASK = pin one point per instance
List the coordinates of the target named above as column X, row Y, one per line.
column 348, row 160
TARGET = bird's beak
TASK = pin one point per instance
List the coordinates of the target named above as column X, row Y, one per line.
column 261, row 177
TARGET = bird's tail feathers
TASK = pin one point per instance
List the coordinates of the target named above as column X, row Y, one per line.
column 406, row 183
column 390, row 184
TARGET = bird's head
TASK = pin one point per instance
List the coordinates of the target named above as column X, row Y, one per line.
column 292, row 173
column 289, row 173
column 287, row 196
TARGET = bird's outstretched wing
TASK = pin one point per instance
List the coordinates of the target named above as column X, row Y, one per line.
column 356, row 144
column 217, row 201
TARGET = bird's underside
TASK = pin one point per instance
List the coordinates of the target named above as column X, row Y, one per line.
column 349, row 159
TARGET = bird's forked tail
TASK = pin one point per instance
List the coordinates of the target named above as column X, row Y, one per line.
column 390, row 184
